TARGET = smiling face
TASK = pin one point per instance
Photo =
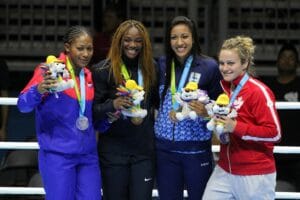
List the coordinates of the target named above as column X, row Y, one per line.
column 181, row 41
column 80, row 50
column 132, row 43
column 230, row 64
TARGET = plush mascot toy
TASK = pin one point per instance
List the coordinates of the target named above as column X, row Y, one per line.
column 188, row 93
column 59, row 72
column 136, row 93
column 218, row 108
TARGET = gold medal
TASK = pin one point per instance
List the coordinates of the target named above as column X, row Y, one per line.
column 136, row 120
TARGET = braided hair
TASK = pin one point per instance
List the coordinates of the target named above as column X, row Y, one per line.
column 74, row 32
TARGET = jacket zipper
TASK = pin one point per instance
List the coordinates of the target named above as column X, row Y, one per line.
column 228, row 158
column 173, row 132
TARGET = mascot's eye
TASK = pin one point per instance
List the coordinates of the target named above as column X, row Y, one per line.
column 216, row 108
column 226, row 110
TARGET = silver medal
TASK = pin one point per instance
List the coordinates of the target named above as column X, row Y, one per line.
column 82, row 123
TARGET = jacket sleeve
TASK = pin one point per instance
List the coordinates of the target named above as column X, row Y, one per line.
column 29, row 97
column 155, row 90
column 261, row 122
column 215, row 88
column 103, row 102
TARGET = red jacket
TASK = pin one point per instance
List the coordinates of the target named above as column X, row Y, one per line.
column 250, row 151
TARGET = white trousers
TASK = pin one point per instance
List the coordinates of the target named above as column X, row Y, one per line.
column 225, row 186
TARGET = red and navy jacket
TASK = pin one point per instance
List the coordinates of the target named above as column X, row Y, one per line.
column 56, row 114
column 250, row 151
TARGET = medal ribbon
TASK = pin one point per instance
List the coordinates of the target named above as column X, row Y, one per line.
column 183, row 78
column 238, row 88
column 80, row 94
column 126, row 76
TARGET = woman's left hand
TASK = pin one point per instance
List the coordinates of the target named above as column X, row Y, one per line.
column 229, row 124
column 172, row 116
column 199, row 108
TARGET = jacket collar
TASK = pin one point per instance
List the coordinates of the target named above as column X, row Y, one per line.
column 227, row 85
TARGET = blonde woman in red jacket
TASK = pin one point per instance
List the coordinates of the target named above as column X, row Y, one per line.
column 246, row 167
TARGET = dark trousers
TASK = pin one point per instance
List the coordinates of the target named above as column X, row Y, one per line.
column 176, row 171
column 126, row 177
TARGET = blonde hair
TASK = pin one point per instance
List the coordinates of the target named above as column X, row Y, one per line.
column 145, row 58
column 245, row 48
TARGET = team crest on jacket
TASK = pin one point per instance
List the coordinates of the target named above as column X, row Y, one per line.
column 195, row 77
column 237, row 104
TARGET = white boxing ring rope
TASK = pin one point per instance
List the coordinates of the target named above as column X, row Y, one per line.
column 215, row 148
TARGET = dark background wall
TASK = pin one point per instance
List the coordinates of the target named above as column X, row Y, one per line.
column 31, row 30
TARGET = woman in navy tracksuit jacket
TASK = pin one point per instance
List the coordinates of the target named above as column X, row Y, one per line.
column 184, row 155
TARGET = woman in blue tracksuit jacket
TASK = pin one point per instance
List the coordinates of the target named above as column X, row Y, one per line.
column 184, row 156
column 68, row 159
